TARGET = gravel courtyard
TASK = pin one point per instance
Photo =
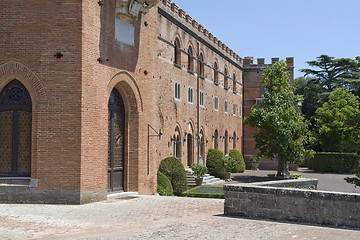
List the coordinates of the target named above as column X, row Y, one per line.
column 149, row 217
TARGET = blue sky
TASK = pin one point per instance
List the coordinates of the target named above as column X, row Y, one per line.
column 303, row 29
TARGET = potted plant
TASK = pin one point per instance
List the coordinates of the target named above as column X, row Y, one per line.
column 254, row 162
column 229, row 166
column 199, row 172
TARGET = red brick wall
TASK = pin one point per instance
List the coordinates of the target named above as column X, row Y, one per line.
column 32, row 33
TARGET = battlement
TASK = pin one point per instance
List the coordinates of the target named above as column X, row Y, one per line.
column 199, row 29
column 249, row 62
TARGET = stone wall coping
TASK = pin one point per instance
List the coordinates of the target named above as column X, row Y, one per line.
column 289, row 191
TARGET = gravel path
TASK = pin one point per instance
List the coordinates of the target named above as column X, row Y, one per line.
column 149, row 217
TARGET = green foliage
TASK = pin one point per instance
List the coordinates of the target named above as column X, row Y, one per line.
column 240, row 164
column 164, row 187
column 199, row 170
column 172, row 168
column 282, row 129
column 255, row 158
column 229, row 164
column 293, row 176
column 331, row 73
column 312, row 94
column 338, row 122
column 205, row 192
column 215, row 163
column 354, row 180
column 334, row 162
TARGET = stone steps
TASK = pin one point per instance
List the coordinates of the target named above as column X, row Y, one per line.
column 208, row 180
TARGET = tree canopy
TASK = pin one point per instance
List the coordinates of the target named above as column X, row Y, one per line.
column 282, row 129
column 338, row 122
column 331, row 73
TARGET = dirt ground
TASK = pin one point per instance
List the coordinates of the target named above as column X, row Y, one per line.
column 150, row 217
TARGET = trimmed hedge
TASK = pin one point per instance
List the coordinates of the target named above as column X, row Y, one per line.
column 172, row 168
column 334, row 162
column 215, row 163
column 205, row 192
column 240, row 164
column 164, row 187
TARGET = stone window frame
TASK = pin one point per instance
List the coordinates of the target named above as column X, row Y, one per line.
column 177, row 91
column 216, row 103
column 190, row 95
column 201, row 100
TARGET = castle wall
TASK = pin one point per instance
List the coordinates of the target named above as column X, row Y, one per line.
column 191, row 117
column 41, row 47
column 70, row 57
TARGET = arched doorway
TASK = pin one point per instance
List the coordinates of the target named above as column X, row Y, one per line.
column 117, row 141
column 201, row 147
column 177, row 143
column 15, row 130
column 234, row 141
column 226, row 146
column 216, row 136
column 190, row 159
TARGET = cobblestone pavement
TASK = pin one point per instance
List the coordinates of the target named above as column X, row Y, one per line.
column 149, row 217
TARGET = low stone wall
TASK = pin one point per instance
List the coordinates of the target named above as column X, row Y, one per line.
column 10, row 193
column 265, row 200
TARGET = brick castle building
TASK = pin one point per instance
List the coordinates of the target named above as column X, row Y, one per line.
column 94, row 94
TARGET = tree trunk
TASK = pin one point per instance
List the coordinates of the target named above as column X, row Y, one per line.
column 283, row 168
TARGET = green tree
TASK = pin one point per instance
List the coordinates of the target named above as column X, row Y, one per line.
column 338, row 122
column 331, row 73
column 312, row 94
column 282, row 130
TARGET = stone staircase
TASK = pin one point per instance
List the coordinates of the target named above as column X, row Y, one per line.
column 208, row 180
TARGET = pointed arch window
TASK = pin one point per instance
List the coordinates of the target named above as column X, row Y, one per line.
column 201, row 65
column 15, row 130
column 226, row 79
column 234, row 82
column 190, row 59
column 177, row 53
column 216, row 73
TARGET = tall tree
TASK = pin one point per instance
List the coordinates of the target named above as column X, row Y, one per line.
column 331, row 73
column 282, row 129
column 338, row 122
column 312, row 94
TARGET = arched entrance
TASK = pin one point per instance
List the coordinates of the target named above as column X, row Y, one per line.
column 190, row 145
column 201, row 150
column 15, row 130
column 216, row 136
column 226, row 146
column 116, row 152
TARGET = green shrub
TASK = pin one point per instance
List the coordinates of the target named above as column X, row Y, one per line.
column 229, row 164
column 215, row 163
column 240, row 164
column 172, row 168
column 199, row 170
column 205, row 192
column 293, row 176
column 164, row 187
column 334, row 162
